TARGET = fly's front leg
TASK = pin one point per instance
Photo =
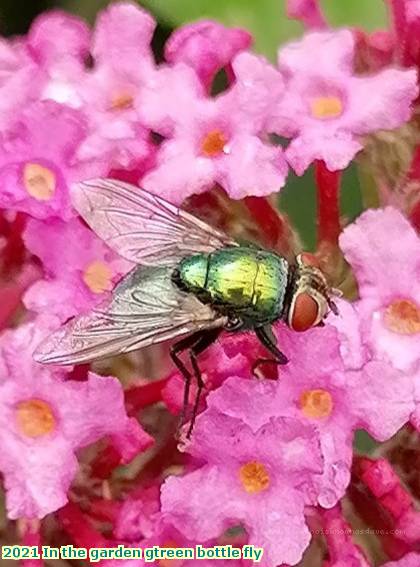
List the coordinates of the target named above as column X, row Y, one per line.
column 266, row 337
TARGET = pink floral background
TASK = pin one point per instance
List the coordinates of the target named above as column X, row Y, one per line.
column 89, row 454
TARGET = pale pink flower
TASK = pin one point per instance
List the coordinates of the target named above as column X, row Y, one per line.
column 260, row 477
column 79, row 269
column 45, row 419
column 211, row 143
column 325, row 107
column 384, row 251
column 316, row 388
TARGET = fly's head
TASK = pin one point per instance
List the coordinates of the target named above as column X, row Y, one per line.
column 311, row 298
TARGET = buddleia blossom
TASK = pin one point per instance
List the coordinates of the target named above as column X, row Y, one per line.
column 252, row 475
column 272, row 459
column 76, row 263
column 378, row 243
column 326, row 107
column 45, row 419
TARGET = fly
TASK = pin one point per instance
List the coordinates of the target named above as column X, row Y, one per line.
column 191, row 282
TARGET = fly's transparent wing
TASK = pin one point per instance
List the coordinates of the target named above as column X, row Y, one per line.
column 146, row 308
column 143, row 227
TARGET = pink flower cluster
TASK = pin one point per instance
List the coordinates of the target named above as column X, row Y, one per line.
column 269, row 460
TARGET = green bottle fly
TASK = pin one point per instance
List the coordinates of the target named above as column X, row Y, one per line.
column 244, row 280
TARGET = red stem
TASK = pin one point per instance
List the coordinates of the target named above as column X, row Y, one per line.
column 328, row 184
column 272, row 226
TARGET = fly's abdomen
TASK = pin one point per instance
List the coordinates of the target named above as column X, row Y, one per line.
column 242, row 280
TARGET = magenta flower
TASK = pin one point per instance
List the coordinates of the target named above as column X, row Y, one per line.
column 308, row 12
column 234, row 357
column 258, row 476
column 207, row 47
column 380, row 246
column 137, row 516
column 211, row 143
column 45, row 419
column 79, row 269
column 38, row 160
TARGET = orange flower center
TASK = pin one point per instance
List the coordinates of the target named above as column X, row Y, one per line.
column 97, row 276
column 39, row 181
column 122, row 101
column 316, row 403
column 254, row 477
column 213, row 144
column 403, row 317
column 35, row 418
column 326, row 107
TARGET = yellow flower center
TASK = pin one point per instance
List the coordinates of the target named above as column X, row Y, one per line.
column 213, row 144
column 39, row 181
column 316, row 403
column 254, row 477
column 326, row 107
column 98, row 277
column 403, row 317
column 122, row 101
column 35, row 418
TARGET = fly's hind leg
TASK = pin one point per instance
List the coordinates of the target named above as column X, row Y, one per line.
column 267, row 339
column 195, row 344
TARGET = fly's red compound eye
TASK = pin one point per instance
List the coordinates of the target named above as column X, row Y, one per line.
column 304, row 312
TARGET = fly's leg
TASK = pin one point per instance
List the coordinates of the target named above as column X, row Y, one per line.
column 195, row 344
column 206, row 339
column 176, row 349
column 267, row 339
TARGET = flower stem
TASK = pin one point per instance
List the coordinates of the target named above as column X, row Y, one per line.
column 328, row 185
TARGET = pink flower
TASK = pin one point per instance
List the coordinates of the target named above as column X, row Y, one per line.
column 123, row 59
column 38, row 160
column 316, row 389
column 59, row 45
column 79, row 269
column 384, row 252
column 258, row 476
column 326, row 108
column 45, row 419
column 409, row 560
column 19, row 82
column 308, row 12
column 137, row 517
column 211, row 143
column 207, row 47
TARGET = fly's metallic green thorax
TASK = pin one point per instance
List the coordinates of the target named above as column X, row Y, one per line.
column 246, row 281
